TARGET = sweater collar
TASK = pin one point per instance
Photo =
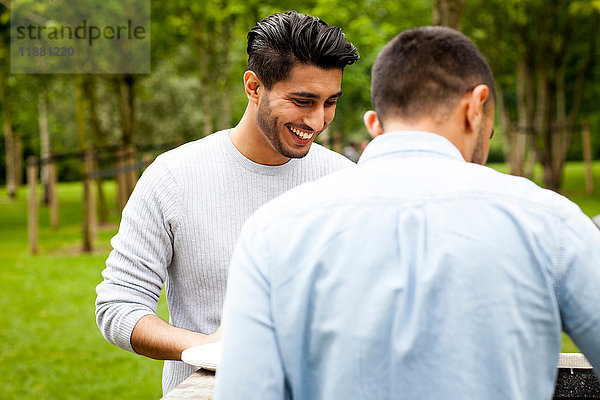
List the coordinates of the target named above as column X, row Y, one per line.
column 256, row 167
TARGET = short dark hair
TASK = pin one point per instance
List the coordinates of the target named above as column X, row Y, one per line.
column 282, row 40
column 426, row 69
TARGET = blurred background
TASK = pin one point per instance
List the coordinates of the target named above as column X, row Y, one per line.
column 81, row 141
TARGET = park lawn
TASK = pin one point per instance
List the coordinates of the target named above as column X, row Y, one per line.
column 50, row 346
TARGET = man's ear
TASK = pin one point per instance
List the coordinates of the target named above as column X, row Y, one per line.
column 372, row 123
column 475, row 107
column 252, row 86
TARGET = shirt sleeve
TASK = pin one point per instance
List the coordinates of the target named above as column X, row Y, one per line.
column 580, row 289
column 142, row 251
column 251, row 366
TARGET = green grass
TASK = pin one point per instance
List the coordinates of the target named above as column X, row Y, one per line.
column 50, row 346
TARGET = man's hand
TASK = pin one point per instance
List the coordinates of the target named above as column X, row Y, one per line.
column 154, row 338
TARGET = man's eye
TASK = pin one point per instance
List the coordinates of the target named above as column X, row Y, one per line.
column 302, row 103
column 330, row 103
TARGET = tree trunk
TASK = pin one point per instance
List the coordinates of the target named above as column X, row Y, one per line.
column 98, row 140
column 121, row 178
column 11, row 181
column 32, row 204
column 559, row 127
column 18, row 158
column 587, row 158
column 530, row 159
column 52, row 195
column 45, row 149
column 544, row 129
column 89, row 206
column 127, row 102
column 505, row 124
column 519, row 144
column 81, row 117
column 448, row 13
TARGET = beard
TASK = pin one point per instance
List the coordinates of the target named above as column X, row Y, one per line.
column 270, row 125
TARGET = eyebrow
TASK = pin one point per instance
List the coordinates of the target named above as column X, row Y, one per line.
column 315, row 96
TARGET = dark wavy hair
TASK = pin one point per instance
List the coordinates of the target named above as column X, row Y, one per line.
column 426, row 70
column 282, row 40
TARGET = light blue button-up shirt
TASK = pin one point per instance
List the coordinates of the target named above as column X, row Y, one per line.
column 413, row 275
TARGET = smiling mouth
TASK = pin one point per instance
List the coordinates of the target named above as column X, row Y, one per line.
column 300, row 133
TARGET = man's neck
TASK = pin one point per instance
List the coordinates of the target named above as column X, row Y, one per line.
column 249, row 140
column 447, row 130
column 420, row 125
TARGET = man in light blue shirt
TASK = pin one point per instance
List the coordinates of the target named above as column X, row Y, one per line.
column 419, row 273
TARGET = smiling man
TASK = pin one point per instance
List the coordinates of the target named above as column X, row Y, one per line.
column 183, row 218
column 283, row 120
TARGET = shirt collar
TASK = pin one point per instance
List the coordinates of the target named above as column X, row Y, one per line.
column 410, row 143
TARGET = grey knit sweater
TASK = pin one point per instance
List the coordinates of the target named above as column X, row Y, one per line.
column 180, row 226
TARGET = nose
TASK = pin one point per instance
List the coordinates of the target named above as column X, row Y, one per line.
column 317, row 119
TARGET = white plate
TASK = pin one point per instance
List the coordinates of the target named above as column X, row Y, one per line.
column 207, row 356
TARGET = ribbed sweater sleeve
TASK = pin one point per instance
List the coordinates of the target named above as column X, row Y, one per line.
column 137, row 267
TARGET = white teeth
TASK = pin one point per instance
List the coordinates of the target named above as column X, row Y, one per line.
column 300, row 134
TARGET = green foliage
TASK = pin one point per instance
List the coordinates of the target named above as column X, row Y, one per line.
column 369, row 26
column 164, row 97
column 584, row 7
column 553, row 40
column 199, row 56
column 189, row 36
